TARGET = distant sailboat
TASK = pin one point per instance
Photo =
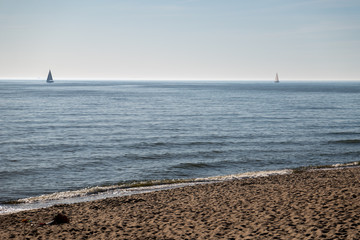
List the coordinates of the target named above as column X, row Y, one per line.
column 49, row 78
column 277, row 78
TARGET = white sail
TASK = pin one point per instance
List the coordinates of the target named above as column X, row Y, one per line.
column 49, row 78
column 277, row 78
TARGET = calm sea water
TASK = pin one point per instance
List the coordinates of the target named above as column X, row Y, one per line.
column 76, row 134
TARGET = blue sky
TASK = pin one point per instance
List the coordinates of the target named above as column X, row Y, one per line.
column 180, row 39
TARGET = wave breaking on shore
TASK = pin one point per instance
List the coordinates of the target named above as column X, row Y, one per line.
column 102, row 192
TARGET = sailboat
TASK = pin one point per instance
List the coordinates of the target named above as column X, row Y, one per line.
column 277, row 78
column 49, row 78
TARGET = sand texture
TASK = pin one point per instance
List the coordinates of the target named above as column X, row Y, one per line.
column 307, row 205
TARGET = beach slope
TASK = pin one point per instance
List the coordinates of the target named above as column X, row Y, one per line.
column 304, row 205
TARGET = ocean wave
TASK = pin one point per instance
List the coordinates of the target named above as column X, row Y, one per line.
column 151, row 185
column 100, row 192
column 175, row 144
column 344, row 133
column 192, row 165
column 347, row 141
column 209, row 164
column 350, row 153
column 176, row 155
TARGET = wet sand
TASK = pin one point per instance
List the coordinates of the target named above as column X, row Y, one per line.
column 307, row 205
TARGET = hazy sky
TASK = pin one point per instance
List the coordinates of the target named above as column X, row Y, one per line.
column 180, row 39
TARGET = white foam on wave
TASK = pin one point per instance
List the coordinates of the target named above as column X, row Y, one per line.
column 247, row 175
column 66, row 194
column 346, row 164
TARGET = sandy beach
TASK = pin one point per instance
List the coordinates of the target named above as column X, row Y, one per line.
column 306, row 205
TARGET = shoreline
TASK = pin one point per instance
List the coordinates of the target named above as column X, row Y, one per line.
column 110, row 191
column 98, row 193
column 301, row 205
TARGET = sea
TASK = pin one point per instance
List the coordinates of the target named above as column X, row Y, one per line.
column 74, row 141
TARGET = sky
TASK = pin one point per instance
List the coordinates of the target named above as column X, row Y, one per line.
column 180, row 39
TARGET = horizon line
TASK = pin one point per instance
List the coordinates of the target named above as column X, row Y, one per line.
column 163, row 79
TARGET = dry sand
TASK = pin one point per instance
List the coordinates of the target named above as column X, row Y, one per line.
column 307, row 205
